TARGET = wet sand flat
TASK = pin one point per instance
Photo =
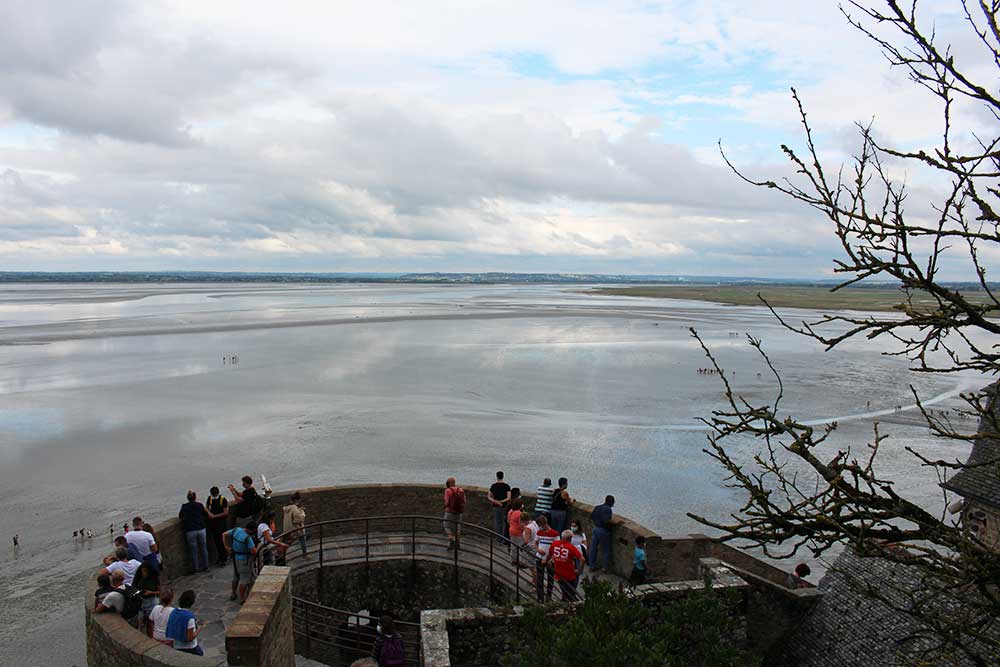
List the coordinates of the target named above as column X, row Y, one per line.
column 112, row 407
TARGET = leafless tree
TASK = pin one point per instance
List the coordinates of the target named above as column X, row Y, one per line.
column 797, row 497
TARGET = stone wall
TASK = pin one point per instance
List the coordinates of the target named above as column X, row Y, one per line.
column 261, row 635
column 479, row 636
column 396, row 586
column 111, row 642
column 401, row 587
column 671, row 558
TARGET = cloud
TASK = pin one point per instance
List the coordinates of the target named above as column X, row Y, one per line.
column 364, row 136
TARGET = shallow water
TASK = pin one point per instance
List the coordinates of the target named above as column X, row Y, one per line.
column 114, row 399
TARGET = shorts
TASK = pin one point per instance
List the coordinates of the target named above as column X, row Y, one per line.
column 451, row 523
column 241, row 571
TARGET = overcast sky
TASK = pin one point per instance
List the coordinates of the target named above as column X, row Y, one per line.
column 466, row 136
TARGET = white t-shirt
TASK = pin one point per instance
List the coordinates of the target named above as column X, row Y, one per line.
column 159, row 616
column 191, row 644
column 128, row 568
column 142, row 541
column 114, row 600
column 261, row 529
column 579, row 540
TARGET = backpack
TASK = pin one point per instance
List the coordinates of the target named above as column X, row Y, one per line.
column 457, row 500
column 251, row 506
column 244, row 542
column 133, row 601
column 392, row 651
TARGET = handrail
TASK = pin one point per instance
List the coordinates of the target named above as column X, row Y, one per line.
column 335, row 629
column 506, row 563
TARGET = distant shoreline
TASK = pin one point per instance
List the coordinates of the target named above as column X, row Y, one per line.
column 880, row 299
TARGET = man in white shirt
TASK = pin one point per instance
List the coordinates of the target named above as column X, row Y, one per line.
column 142, row 541
column 125, row 565
column 113, row 600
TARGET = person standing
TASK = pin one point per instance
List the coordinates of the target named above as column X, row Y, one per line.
column 561, row 502
column 265, row 536
column 147, row 583
column 182, row 626
column 639, row 569
column 544, row 537
column 602, row 518
column 454, row 507
column 156, row 623
column 388, row 650
column 246, row 503
column 143, row 542
column 499, row 497
column 529, row 537
column 217, row 508
column 194, row 516
column 241, row 544
column 579, row 538
column 544, row 503
column 567, row 562
column 294, row 519
column 516, row 529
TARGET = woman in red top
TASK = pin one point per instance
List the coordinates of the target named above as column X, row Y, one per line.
column 516, row 529
column 454, row 506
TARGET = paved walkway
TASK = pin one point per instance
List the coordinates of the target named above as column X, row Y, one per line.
column 215, row 611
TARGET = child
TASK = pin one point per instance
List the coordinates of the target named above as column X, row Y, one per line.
column 639, row 568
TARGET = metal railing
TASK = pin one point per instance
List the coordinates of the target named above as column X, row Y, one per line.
column 339, row 637
column 511, row 570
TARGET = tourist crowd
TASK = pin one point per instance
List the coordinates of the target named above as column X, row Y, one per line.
column 543, row 538
column 130, row 583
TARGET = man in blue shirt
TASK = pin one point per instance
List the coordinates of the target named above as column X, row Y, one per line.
column 239, row 542
column 601, row 517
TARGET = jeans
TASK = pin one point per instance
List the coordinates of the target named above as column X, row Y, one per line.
column 193, row 651
column 601, row 536
column 558, row 520
column 500, row 526
column 543, row 575
column 568, row 590
column 199, row 549
column 302, row 541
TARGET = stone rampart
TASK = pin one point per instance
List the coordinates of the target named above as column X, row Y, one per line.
column 261, row 635
column 475, row 637
column 112, row 642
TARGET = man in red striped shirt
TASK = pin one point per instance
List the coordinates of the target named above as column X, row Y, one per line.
column 568, row 562
column 544, row 538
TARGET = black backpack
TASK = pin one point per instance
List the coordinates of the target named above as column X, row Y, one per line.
column 133, row 601
column 250, row 506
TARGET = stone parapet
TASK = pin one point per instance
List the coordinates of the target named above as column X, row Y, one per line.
column 261, row 635
column 673, row 560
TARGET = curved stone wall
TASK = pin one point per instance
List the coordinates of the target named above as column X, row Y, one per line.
column 110, row 641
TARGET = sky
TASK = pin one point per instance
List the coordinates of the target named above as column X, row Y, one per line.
column 577, row 137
